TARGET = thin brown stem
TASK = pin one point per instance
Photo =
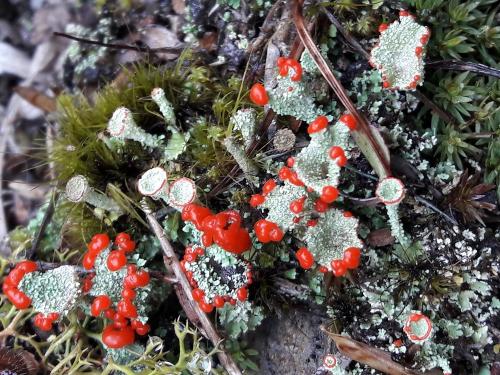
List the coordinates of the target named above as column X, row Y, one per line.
column 119, row 45
column 183, row 292
column 364, row 137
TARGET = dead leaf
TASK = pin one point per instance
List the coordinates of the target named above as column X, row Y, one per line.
column 209, row 41
column 29, row 191
column 179, row 6
column 37, row 98
column 380, row 237
column 156, row 36
column 13, row 61
column 371, row 356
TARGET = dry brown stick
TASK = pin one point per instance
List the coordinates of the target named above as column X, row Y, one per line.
column 183, row 292
column 118, row 45
column 363, row 136
column 349, row 39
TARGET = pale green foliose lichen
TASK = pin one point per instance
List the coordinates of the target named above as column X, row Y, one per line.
column 291, row 98
column 218, row 273
column 278, row 204
column 333, row 234
column 56, row 290
column 395, row 55
column 313, row 164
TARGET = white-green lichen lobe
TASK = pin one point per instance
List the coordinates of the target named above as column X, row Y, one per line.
column 290, row 98
column 333, row 234
column 395, row 54
column 313, row 163
column 218, row 273
column 56, row 290
column 278, row 203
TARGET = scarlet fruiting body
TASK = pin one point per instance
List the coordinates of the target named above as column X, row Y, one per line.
column 198, row 294
column 297, row 205
column 320, row 205
column 127, row 309
column 337, row 154
column 382, row 27
column 117, row 338
column 305, row 258
column 206, row 307
column 258, row 94
column 268, row 186
column 242, row 294
column 329, row 194
column 349, row 120
column 100, row 303
column 283, row 68
column 218, row 302
column 256, row 200
column 116, row 260
column 268, row 231
column 320, row 123
column 352, row 256
column 338, row 267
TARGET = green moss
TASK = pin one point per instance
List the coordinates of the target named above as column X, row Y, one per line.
column 83, row 147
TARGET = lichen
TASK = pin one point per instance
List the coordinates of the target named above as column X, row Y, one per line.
column 53, row 291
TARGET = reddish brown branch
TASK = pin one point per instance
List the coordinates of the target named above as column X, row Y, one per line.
column 364, row 137
column 183, row 292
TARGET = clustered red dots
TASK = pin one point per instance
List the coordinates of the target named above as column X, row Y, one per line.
column 284, row 64
column 20, row 300
column 10, row 285
column 286, row 67
column 125, row 325
column 268, row 231
column 223, row 229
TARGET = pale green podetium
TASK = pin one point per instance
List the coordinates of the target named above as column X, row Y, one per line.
column 122, row 126
column 153, row 183
column 244, row 121
column 391, row 192
column 246, row 164
column 166, row 108
column 78, row 190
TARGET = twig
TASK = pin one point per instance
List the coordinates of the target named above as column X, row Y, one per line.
column 429, row 204
column 429, row 103
column 353, row 43
column 119, row 45
column 183, row 291
column 43, row 226
column 265, row 29
column 364, row 136
column 464, row 66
